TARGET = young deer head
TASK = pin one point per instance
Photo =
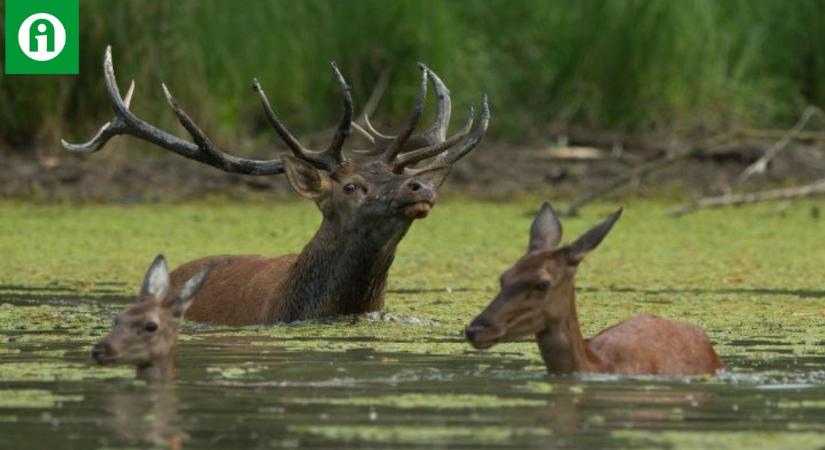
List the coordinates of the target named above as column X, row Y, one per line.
column 537, row 292
column 146, row 333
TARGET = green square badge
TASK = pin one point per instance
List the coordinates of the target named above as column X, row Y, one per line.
column 42, row 36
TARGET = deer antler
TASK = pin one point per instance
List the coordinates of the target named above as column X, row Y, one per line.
column 327, row 159
column 202, row 149
column 407, row 149
column 399, row 152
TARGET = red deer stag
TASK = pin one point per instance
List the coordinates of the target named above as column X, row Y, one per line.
column 145, row 335
column 538, row 297
column 367, row 206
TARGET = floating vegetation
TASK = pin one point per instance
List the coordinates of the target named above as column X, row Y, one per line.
column 720, row 440
column 59, row 371
column 406, row 401
column 33, row 398
column 421, row 434
column 406, row 376
column 235, row 372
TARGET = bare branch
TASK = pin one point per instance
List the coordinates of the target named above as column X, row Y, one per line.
column 808, row 190
column 643, row 170
column 761, row 164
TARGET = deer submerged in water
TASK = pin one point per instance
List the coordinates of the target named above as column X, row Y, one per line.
column 538, row 297
column 368, row 205
column 145, row 334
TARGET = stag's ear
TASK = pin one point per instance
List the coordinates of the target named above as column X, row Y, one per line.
column 435, row 176
column 156, row 282
column 591, row 239
column 545, row 233
column 306, row 179
column 183, row 300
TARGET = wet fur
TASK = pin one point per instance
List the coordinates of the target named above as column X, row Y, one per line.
column 323, row 281
column 342, row 270
column 538, row 296
column 649, row 344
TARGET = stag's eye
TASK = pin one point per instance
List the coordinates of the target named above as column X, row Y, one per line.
column 349, row 188
column 542, row 286
column 150, row 327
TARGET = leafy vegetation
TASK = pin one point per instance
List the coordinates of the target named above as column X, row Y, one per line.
column 639, row 65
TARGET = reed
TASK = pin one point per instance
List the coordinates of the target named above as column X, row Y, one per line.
column 628, row 65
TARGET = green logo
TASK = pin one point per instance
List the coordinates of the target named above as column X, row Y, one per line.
column 42, row 36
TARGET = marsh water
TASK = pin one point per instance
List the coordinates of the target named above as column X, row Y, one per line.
column 405, row 378
column 306, row 388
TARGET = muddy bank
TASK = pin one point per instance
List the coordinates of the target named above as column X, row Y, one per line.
column 494, row 171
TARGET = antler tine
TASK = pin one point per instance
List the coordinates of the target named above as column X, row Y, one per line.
column 380, row 141
column 363, row 132
column 443, row 108
column 125, row 122
column 415, row 156
column 398, row 143
column 103, row 134
column 200, row 138
column 335, row 149
column 448, row 158
column 371, row 129
column 434, row 135
column 330, row 158
column 290, row 141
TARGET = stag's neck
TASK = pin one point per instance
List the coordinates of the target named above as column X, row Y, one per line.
column 159, row 370
column 562, row 346
column 341, row 271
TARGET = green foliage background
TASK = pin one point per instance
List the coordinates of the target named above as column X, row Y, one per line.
column 688, row 66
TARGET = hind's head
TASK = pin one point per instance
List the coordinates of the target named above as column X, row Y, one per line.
column 537, row 291
column 146, row 332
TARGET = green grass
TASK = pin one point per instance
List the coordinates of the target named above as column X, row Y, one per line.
column 636, row 65
column 739, row 273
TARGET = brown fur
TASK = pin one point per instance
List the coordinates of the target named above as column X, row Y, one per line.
column 240, row 290
column 538, row 297
column 342, row 270
column 145, row 334
column 649, row 344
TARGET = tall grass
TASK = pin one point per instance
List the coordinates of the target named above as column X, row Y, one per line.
column 631, row 65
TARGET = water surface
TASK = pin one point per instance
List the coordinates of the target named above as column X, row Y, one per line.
column 321, row 386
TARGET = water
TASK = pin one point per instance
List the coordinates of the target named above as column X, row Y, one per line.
column 250, row 392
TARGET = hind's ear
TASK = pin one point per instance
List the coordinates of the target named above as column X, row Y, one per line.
column 545, row 233
column 591, row 239
column 183, row 300
column 156, row 282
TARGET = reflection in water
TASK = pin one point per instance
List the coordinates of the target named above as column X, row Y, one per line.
column 562, row 415
column 251, row 391
column 146, row 415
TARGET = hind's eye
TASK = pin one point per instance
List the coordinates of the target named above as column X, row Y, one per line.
column 542, row 286
column 349, row 188
column 150, row 327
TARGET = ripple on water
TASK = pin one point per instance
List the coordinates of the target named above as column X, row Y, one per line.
column 361, row 383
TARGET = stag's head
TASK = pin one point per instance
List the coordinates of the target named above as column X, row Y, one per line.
column 146, row 332
column 387, row 180
column 394, row 180
column 537, row 292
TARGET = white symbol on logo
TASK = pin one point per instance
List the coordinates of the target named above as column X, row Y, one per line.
column 41, row 37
